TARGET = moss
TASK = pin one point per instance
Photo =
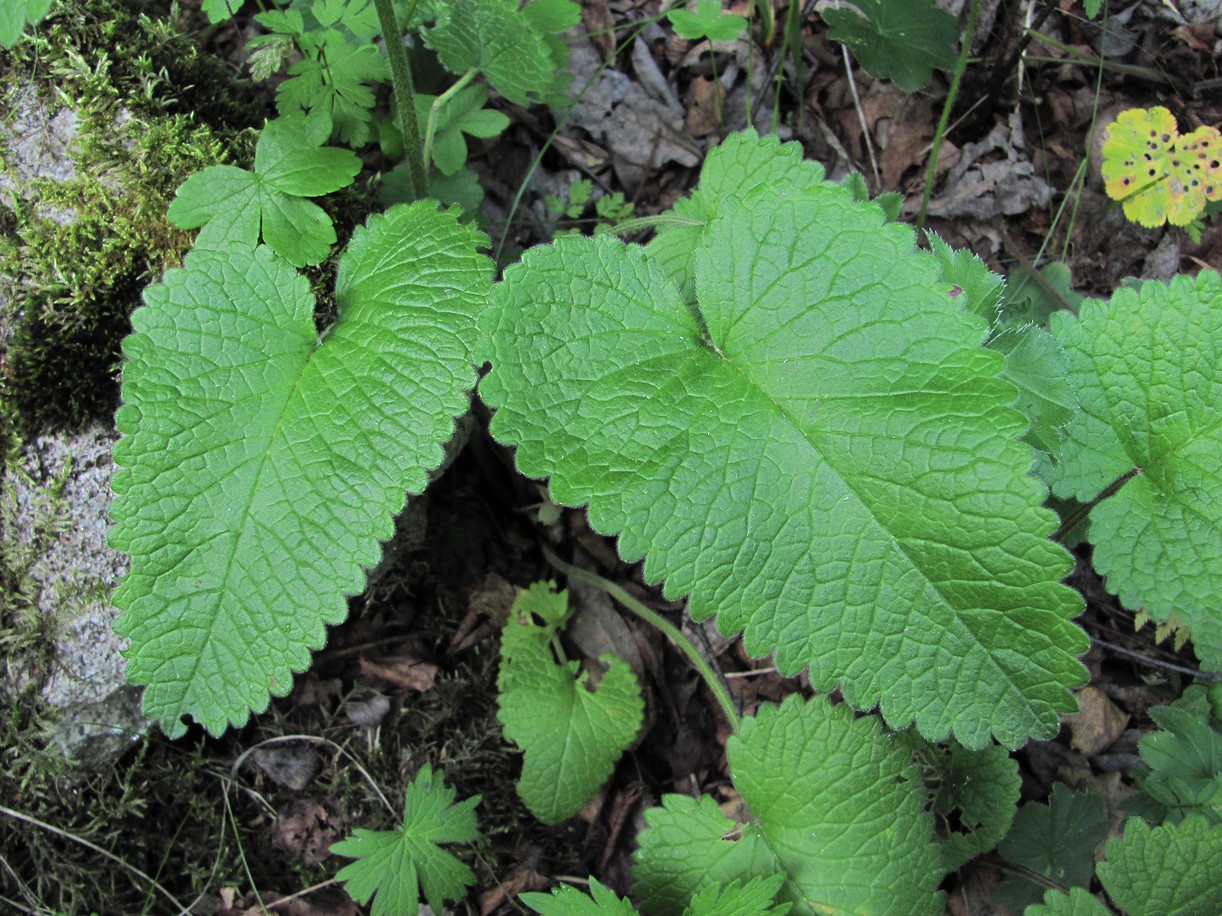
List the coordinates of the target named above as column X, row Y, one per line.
column 143, row 95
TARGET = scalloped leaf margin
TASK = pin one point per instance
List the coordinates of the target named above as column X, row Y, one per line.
column 261, row 466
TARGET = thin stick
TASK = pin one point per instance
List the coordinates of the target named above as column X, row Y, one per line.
column 861, row 117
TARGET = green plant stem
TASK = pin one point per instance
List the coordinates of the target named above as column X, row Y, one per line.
column 405, row 98
column 960, row 67
column 680, row 642
column 438, row 103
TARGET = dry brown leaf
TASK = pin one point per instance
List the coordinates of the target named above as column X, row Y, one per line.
column 1097, row 723
column 307, row 828
column 403, row 671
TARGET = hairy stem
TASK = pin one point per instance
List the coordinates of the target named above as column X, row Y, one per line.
column 405, row 98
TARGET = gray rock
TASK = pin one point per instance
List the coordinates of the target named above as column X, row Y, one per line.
column 60, row 486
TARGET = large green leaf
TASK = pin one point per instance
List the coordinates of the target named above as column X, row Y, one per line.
column 261, row 466
column 835, row 807
column 1170, row 869
column 1147, row 367
column 899, row 40
column 820, row 453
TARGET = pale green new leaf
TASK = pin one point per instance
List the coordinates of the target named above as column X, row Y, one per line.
column 571, row 726
column 234, row 205
column 221, row 10
column 261, row 467
column 835, row 807
column 16, row 14
column 566, row 900
column 1147, row 367
column 501, row 41
column 709, row 21
column 336, row 80
column 393, row 864
column 741, row 163
column 1170, row 870
column 821, row 454
column 898, row 40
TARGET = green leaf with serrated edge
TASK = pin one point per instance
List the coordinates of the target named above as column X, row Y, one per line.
column 571, row 727
column 755, row 898
column 1147, row 367
column 393, row 864
column 835, row 470
column 499, row 40
column 15, row 15
column 975, row 795
column 1036, row 366
column 979, row 289
column 261, row 467
column 899, row 40
column 741, row 163
column 836, row 807
column 566, row 900
column 1092, row 7
column 709, row 21
column 234, row 205
column 1056, row 840
column 1078, row 902
column 1183, row 768
column 1170, row 869
column 689, row 844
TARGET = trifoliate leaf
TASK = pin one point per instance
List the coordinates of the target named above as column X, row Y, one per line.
column 1147, row 367
column 261, row 466
column 836, row 808
column 1056, row 840
column 234, row 205
column 1160, row 871
column 393, row 864
column 755, row 898
column 566, row 900
column 503, row 43
column 709, row 21
column 571, row 727
column 16, row 14
column 336, row 80
column 464, row 113
column 1078, row 902
column 898, row 40
column 820, row 453
column 1160, row 176
column 1183, row 769
column 742, row 162
column 975, row 796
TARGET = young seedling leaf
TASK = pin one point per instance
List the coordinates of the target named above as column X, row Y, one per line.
column 1056, row 840
column 1159, row 175
column 16, row 14
column 261, row 466
column 1172, row 868
column 1147, row 368
column 898, row 40
column 234, row 205
column 1092, row 7
column 566, row 900
column 1183, row 768
column 741, row 163
column 462, row 114
column 392, row 865
column 709, row 21
column 862, row 846
column 506, row 44
column 772, row 453
column 336, row 80
column 1078, row 902
column 571, row 727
